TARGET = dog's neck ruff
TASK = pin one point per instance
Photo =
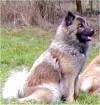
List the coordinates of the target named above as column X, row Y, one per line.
column 66, row 48
column 71, row 45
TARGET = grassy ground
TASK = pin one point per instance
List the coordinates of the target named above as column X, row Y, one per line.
column 19, row 48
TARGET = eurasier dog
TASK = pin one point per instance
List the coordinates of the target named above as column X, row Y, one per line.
column 54, row 74
column 89, row 80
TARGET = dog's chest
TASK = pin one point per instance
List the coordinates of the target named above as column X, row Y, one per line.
column 67, row 54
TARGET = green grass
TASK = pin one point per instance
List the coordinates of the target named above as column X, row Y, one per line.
column 21, row 47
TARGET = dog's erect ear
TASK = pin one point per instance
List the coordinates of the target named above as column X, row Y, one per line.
column 69, row 18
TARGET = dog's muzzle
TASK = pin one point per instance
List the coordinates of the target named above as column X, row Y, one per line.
column 87, row 33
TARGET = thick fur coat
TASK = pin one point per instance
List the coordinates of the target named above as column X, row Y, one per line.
column 54, row 74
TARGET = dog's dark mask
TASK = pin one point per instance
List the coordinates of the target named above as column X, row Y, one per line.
column 84, row 35
column 84, row 32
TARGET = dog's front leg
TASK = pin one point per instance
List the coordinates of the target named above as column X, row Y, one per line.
column 68, row 85
column 70, row 82
column 67, row 88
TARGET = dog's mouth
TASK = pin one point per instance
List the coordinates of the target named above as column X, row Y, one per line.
column 85, row 34
column 89, row 38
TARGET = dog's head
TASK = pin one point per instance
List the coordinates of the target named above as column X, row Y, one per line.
column 82, row 31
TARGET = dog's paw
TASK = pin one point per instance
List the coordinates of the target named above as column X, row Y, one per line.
column 70, row 99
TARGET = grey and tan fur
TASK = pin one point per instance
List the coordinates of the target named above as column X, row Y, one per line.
column 54, row 74
column 89, row 79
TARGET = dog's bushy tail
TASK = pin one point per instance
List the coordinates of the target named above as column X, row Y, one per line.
column 14, row 84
